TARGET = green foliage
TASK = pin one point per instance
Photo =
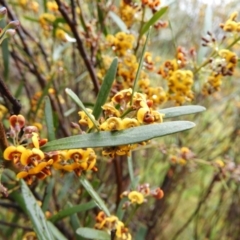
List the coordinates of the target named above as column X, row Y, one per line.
column 35, row 214
column 78, row 56
column 132, row 135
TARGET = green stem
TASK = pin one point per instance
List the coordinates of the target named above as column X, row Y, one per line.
column 214, row 53
column 140, row 29
column 132, row 214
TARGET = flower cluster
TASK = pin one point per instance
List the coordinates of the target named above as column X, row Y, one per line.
column 181, row 156
column 180, row 81
column 120, row 113
column 231, row 25
column 29, row 5
column 121, row 42
column 127, row 12
column 3, row 111
column 139, row 196
column 10, row 29
column 112, row 224
column 221, row 66
column 47, row 19
column 32, row 162
column 153, row 4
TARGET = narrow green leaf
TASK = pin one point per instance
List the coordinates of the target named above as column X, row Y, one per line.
column 18, row 198
column 117, row 138
column 67, row 183
column 31, row 19
column 44, row 93
column 49, row 119
column 131, row 172
column 139, row 67
column 35, row 214
column 120, row 211
column 105, row 88
column 19, row 90
column 122, row 26
column 91, row 233
column 88, row 187
column 182, row 110
column 153, row 20
column 101, row 18
column 48, row 194
column 173, row 37
column 75, row 223
column 141, row 233
column 76, row 99
column 45, row 5
column 71, row 210
column 55, row 232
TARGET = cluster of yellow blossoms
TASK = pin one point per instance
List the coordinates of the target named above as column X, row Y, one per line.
column 31, row 162
column 231, row 25
column 225, row 61
column 131, row 12
column 111, row 225
column 120, row 113
column 139, row 196
column 180, row 81
column 3, row 111
column 46, row 21
column 121, row 42
column 127, row 11
column 221, row 66
column 29, row 5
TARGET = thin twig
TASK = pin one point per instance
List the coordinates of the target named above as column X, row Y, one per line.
column 216, row 177
column 16, row 106
column 118, row 173
column 80, row 46
column 14, row 225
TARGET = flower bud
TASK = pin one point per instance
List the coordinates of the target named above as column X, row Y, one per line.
column 3, row 12
column 13, row 24
column 9, row 33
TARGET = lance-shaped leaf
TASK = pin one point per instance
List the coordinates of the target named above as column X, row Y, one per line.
column 117, row 138
column 49, row 119
column 72, row 210
column 91, row 233
column 153, row 20
column 97, row 199
column 139, row 67
column 120, row 23
column 35, row 214
column 182, row 110
column 76, row 99
column 105, row 88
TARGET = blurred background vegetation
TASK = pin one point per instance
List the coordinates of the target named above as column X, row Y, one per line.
column 201, row 190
